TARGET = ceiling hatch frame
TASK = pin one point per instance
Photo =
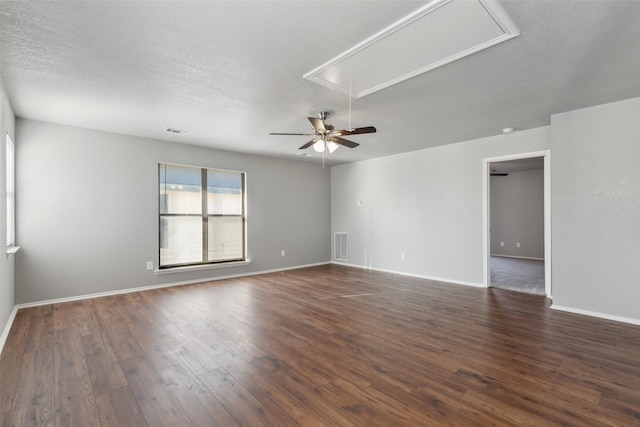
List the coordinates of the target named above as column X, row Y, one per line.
column 353, row 72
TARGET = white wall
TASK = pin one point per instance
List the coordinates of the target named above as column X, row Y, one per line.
column 7, row 265
column 517, row 214
column 596, row 209
column 428, row 204
column 87, row 208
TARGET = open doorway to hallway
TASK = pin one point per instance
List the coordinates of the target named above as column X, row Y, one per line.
column 518, row 224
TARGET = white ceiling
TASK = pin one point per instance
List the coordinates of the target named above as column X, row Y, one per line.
column 230, row 72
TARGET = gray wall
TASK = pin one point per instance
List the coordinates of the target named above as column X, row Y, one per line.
column 87, row 215
column 427, row 204
column 88, row 205
column 7, row 265
column 517, row 214
column 595, row 175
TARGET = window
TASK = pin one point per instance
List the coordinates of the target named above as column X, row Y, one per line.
column 202, row 216
column 11, row 193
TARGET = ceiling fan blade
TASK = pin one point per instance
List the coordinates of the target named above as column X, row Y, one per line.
column 318, row 124
column 308, row 144
column 344, row 142
column 357, row 131
column 299, row 134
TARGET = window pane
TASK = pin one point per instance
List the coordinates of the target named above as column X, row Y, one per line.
column 224, row 192
column 180, row 240
column 180, row 190
column 186, row 214
column 226, row 238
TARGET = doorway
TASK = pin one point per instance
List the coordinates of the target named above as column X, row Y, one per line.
column 517, row 232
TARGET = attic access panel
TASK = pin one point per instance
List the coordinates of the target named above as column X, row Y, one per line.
column 438, row 33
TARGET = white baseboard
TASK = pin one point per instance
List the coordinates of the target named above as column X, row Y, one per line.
column 7, row 328
column 419, row 276
column 518, row 257
column 164, row 285
column 622, row 319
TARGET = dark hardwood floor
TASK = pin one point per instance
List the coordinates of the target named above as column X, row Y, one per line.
column 321, row 346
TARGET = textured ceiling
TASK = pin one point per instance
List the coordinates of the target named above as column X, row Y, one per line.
column 231, row 72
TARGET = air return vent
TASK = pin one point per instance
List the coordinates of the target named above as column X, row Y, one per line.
column 341, row 246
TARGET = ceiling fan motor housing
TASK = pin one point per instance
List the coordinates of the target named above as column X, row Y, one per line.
column 326, row 133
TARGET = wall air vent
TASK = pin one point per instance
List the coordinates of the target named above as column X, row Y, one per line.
column 438, row 33
column 341, row 246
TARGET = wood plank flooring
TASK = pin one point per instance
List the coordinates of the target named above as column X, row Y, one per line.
column 320, row 346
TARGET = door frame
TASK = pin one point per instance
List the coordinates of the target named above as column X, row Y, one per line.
column 487, row 214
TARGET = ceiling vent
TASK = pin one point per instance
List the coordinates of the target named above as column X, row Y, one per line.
column 434, row 35
column 176, row 131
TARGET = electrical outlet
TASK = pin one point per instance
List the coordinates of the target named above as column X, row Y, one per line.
column 282, row 252
column 517, row 244
column 402, row 256
column 501, row 243
column 149, row 265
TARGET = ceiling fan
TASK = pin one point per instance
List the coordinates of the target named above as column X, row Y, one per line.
column 325, row 138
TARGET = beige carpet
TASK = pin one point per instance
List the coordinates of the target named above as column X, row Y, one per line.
column 522, row 275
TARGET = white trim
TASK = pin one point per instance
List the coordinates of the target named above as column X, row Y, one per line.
column 419, row 276
column 492, row 8
column 547, row 224
column 201, row 267
column 12, row 250
column 518, row 257
column 7, row 328
column 164, row 285
column 199, row 167
column 599, row 315
column 10, row 194
column 486, row 249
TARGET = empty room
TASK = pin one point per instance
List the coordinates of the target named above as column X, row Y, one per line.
column 320, row 213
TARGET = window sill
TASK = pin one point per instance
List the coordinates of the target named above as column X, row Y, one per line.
column 11, row 250
column 201, row 267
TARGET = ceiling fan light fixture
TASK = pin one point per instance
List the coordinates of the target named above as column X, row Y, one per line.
column 326, row 139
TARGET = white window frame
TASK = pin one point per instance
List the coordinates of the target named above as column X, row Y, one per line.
column 10, row 193
column 205, row 215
